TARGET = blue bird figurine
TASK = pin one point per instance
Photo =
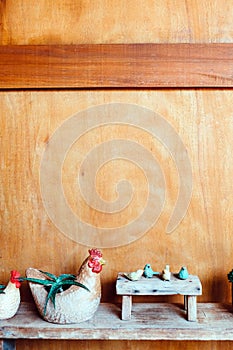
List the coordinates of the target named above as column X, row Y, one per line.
column 148, row 271
column 183, row 273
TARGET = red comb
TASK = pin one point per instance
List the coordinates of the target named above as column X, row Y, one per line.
column 14, row 278
column 95, row 252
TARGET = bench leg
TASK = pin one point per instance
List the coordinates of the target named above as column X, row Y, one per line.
column 126, row 307
column 191, row 308
column 7, row 344
column 185, row 302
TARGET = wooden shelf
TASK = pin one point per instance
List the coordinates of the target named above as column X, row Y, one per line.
column 116, row 66
column 157, row 321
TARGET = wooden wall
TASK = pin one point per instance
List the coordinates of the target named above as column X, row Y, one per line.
column 112, row 21
column 203, row 119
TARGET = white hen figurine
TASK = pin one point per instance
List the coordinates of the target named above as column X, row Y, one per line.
column 10, row 297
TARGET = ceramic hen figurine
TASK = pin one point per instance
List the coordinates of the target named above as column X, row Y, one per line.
column 74, row 304
column 10, row 297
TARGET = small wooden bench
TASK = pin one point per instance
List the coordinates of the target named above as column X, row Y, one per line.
column 190, row 288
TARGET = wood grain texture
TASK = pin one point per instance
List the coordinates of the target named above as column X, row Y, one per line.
column 156, row 286
column 150, row 321
column 192, row 308
column 190, row 288
column 115, row 21
column 203, row 240
column 202, row 118
column 119, row 65
column 127, row 344
column 126, row 307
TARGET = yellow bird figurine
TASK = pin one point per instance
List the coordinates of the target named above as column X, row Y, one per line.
column 166, row 274
column 134, row 276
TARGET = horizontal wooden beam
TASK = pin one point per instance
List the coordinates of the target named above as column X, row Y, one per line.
column 150, row 321
column 116, row 66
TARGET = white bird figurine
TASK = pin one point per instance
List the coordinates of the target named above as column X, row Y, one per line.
column 134, row 276
column 166, row 274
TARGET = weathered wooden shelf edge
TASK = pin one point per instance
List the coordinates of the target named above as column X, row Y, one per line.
column 116, row 66
column 150, row 321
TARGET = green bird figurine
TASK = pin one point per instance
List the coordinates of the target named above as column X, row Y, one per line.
column 148, row 271
column 183, row 273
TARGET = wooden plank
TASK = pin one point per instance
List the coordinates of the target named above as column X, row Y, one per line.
column 150, row 321
column 156, row 286
column 116, row 66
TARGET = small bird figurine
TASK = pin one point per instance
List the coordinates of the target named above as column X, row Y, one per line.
column 148, row 271
column 183, row 273
column 134, row 276
column 166, row 274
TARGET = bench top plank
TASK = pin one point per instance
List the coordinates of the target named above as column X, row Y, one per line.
column 156, row 286
column 157, row 321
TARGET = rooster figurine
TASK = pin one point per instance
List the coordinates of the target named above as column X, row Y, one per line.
column 10, row 297
column 74, row 304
